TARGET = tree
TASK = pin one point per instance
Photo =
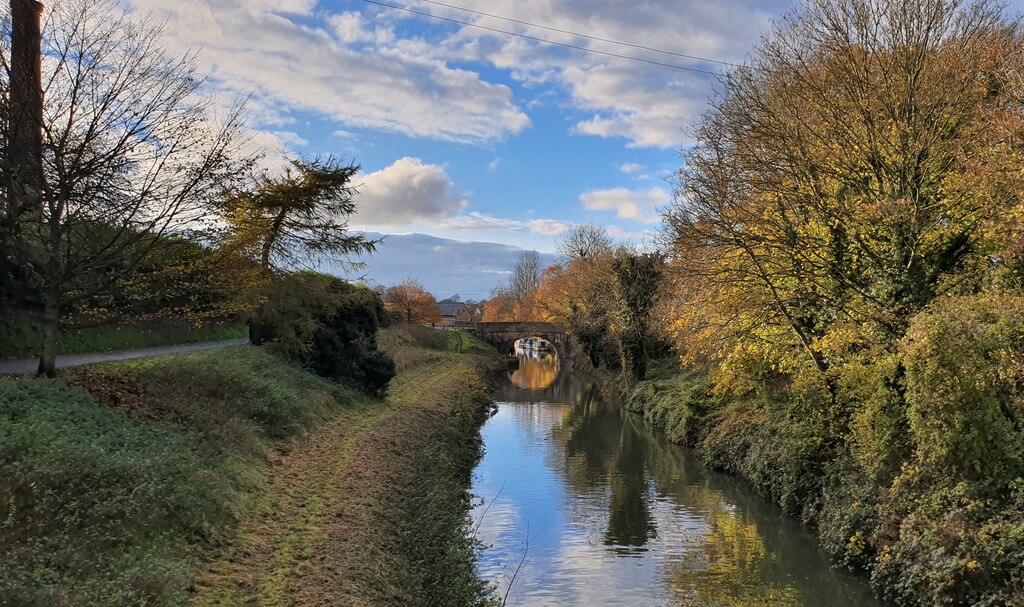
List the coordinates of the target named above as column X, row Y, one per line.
column 133, row 153
column 328, row 325
column 286, row 220
column 636, row 281
column 842, row 178
column 583, row 241
column 412, row 302
column 500, row 307
column 23, row 170
column 24, row 111
column 523, row 283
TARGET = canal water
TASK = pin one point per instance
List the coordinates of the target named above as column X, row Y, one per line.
column 582, row 503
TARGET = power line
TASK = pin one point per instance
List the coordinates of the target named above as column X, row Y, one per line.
column 579, row 35
column 542, row 40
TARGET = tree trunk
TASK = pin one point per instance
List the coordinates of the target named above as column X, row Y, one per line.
column 26, row 116
column 51, row 328
column 272, row 236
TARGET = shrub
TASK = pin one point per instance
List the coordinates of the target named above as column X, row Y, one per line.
column 678, row 405
column 869, row 391
column 965, row 374
column 330, row 326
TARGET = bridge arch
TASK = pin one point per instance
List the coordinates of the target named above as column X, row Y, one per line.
column 503, row 335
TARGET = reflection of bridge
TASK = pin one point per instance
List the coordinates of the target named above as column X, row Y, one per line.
column 503, row 335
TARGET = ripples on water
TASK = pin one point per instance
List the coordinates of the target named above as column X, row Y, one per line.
column 602, row 510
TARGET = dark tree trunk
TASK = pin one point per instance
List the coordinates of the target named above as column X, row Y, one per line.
column 26, row 116
column 51, row 328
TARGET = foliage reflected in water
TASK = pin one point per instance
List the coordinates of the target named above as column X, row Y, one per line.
column 537, row 370
column 620, row 515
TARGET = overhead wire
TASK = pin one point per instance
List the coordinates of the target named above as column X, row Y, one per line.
column 543, row 40
column 580, row 35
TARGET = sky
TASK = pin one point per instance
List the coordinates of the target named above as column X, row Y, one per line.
column 467, row 134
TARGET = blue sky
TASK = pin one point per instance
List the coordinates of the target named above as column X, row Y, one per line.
column 464, row 133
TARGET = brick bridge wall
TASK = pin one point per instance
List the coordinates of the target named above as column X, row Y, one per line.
column 503, row 335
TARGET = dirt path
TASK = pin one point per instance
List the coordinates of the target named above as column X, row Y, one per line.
column 28, row 366
column 329, row 527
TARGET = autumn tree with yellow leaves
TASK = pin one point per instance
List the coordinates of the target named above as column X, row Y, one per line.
column 844, row 271
column 865, row 157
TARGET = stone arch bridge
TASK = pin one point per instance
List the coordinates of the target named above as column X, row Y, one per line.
column 503, row 335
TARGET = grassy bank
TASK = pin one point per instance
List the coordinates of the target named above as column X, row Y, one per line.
column 24, row 341
column 228, row 476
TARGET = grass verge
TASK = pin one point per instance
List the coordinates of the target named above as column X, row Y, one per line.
column 229, row 476
column 24, row 341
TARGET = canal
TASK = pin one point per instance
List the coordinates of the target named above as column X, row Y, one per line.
column 582, row 503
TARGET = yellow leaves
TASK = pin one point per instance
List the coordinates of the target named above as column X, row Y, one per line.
column 857, row 544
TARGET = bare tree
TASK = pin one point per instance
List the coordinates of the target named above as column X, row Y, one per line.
column 583, row 241
column 134, row 152
column 525, row 278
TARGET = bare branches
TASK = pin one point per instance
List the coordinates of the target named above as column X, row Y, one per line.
column 134, row 152
column 583, row 241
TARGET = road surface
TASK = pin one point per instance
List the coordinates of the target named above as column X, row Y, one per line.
column 28, row 366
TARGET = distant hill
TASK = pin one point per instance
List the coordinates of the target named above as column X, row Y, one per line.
column 444, row 266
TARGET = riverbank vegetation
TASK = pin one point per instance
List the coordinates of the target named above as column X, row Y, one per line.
column 840, row 279
column 844, row 279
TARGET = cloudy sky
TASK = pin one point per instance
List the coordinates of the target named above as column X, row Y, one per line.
column 468, row 134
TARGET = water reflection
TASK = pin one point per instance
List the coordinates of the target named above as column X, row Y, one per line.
column 538, row 374
column 601, row 510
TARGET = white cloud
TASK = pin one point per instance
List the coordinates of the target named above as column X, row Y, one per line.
column 291, row 139
column 631, row 167
column 637, row 205
column 648, row 105
column 548, row 227
column 484, row 221
column 494, row 164
column 342, row 71
column 481, row 221
column 406, row 192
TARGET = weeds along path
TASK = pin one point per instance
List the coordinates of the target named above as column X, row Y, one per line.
column 345, row 518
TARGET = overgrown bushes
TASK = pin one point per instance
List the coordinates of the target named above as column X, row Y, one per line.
column 329, row 325
column 924, row 484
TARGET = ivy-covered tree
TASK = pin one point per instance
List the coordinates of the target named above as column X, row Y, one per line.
column 636, row 279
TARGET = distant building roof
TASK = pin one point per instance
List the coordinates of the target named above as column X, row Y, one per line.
column 451, row 309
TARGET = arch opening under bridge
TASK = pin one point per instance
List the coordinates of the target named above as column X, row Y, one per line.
column 503, row 336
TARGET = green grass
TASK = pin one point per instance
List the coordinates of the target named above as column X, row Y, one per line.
column 113, row 501
column 24, row 341
column 464, row 342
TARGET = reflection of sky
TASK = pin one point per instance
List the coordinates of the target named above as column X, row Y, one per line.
column 567, row 561
column 579, row 480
